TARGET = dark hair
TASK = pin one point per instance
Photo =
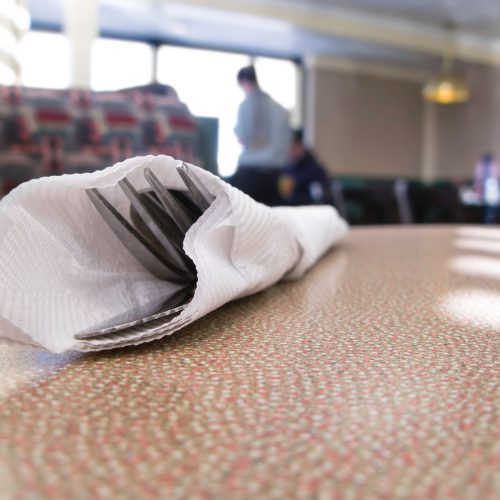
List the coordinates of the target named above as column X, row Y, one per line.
column 298, row 135
column 247, row 74
column 487, row 157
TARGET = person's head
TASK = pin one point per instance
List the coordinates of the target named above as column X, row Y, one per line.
column 247, row 79
column 297, row 147
column 487, row 158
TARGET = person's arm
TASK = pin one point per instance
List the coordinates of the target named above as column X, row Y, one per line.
column 316, row 169
column 243, row 124
column 478, row 179
column 496, row 171
column 281, row 135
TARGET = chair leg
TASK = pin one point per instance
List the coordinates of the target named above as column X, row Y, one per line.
column 339, row 198
column 403, row 201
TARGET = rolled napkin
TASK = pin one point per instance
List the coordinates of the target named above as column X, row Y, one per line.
column 68, row 282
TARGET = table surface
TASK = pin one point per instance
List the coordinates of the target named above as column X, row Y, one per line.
column 373, row 376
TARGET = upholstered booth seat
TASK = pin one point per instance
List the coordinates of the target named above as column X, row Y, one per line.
column 73, row 131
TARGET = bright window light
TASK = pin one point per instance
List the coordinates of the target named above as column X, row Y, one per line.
column 475, row 265
column 7, row 75
column 280, row 79
column 476, row 244
column 205, row 81
column 8, row 8
column 473, row 307
column 118, row 64
column 7, row 40
column 45, row 60
column 487, row 233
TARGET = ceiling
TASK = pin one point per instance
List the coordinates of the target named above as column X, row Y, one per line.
column 478, row 17
column 349, row 29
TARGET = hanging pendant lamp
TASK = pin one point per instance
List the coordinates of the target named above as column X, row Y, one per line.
column 449, row 86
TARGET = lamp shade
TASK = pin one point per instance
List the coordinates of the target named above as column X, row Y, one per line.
column 447, row 87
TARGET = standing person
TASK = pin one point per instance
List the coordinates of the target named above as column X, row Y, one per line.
column 304, row 181
column 487, row 186
column 263, row 130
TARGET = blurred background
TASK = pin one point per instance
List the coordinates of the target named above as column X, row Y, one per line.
column 400, row 101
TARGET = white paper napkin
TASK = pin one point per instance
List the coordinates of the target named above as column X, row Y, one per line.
column 63, row 271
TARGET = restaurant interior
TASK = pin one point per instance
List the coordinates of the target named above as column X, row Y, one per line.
column 365, row 370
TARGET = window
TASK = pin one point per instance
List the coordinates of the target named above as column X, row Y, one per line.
column 205, row 81
column 117, row 64
column 45, row 60
column 280, row 78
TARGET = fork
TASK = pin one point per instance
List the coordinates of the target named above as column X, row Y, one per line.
column 160, row 218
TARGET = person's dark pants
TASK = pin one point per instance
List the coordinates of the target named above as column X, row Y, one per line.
column 492, row 214
column 258, row 182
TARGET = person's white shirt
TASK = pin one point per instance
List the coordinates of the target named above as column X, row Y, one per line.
column 263, row 130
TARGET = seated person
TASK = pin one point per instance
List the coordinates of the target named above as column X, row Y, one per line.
column 304, row 181
column 487, row 186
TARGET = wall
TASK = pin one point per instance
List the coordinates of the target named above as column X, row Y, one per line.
column 377, row 124
column 465, row 131
column 364, row 124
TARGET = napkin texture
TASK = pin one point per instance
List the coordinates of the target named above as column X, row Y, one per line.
column 63, row 271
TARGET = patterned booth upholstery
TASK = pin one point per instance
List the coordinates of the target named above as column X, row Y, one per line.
column 46, row 132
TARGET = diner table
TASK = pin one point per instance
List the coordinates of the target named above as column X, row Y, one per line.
column 374, row 376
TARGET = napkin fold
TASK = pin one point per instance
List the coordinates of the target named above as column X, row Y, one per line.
column 63, row 271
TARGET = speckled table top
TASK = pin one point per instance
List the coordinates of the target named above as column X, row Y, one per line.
column 374, row 376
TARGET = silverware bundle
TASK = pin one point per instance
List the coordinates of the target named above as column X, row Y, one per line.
column 160, row 218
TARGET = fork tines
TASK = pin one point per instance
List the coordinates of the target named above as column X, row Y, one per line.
column 154, row 233
column 160, row 218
